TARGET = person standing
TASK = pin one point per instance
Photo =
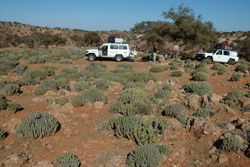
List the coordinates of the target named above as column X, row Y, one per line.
column 154, row 53
column 176, row 50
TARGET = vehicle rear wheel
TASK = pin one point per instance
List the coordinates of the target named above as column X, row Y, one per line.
column 91, row 57
column 210, row 59
column 118, row 58
column 231, row 61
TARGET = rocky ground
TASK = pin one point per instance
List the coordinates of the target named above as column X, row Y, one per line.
column 83, row 129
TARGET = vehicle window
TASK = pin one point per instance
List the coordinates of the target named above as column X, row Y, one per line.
column 123, row 47
column 113, row 46
column 219, row 52
column 226, row 53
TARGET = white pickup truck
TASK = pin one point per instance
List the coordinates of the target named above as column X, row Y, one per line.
column 219, row 55
column 116, row 51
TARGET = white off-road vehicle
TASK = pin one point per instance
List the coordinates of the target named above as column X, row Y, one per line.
column 219, row 55
column 116, row 51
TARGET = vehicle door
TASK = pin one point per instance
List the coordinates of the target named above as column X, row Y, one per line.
column 103, row 51
column 124, row 50
column 133, row 52
column 225, row 56
column 113, row 50
column 217, row 55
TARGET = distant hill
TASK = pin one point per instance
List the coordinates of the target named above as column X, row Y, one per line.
column 11, row 30
column 13, row 34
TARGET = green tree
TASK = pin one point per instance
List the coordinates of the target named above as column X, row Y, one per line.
column 92, row 38
column 79, row 40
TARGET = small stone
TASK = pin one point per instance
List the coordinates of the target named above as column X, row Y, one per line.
column 222, row 159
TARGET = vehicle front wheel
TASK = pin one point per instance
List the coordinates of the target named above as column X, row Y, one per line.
column 230, row 61
column 118, row 58
column 210, row 59
column 91, row 57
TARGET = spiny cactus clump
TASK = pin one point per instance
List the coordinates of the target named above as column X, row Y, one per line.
column 137, row 129
column 90, row 95
column 3, row 134
column 70, row 70
column 38, row 125
column 132, row 101
column 205, row 112
column 231, row 143
column 199, row 88
column 67, row 160
column 146, row 155
column 163, row 95
column 174, row 110
column 20, row 69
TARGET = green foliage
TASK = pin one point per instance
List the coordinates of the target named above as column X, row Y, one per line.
column 3, row 102
column 65, row 61
column 134, row 108
column 124, row 70
column 162, row 96
column 222, row 69
column 174, row 67
column 204, row 112
column 174, row 110
column 168, row 87
column 124, row 65
column 67, row 160
column 38, row 125
column 47, row 84
column 146, row 155
column 132, row 101
column 61, row 101
column 49, row 72
column 11, row 89
column 233, row 95
column 3, row 134
column 137, row 129
column 200, row 76
column 96, row 67
column 92, row 38
column 231, row 143
column 20, row 69
column 199, row 88
column 230, row 103
column 242, row 67
column 131, row 95
column 63, row 83
column 236, row 77
column 248, row 95
column 177, row 74
column 33, row 76
column 134, row 85
column 102, row 84
column 157, row 68
column 14, row 107
column 183, row 119
column 69, row 70
column 81, row 85
column 89, row 95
